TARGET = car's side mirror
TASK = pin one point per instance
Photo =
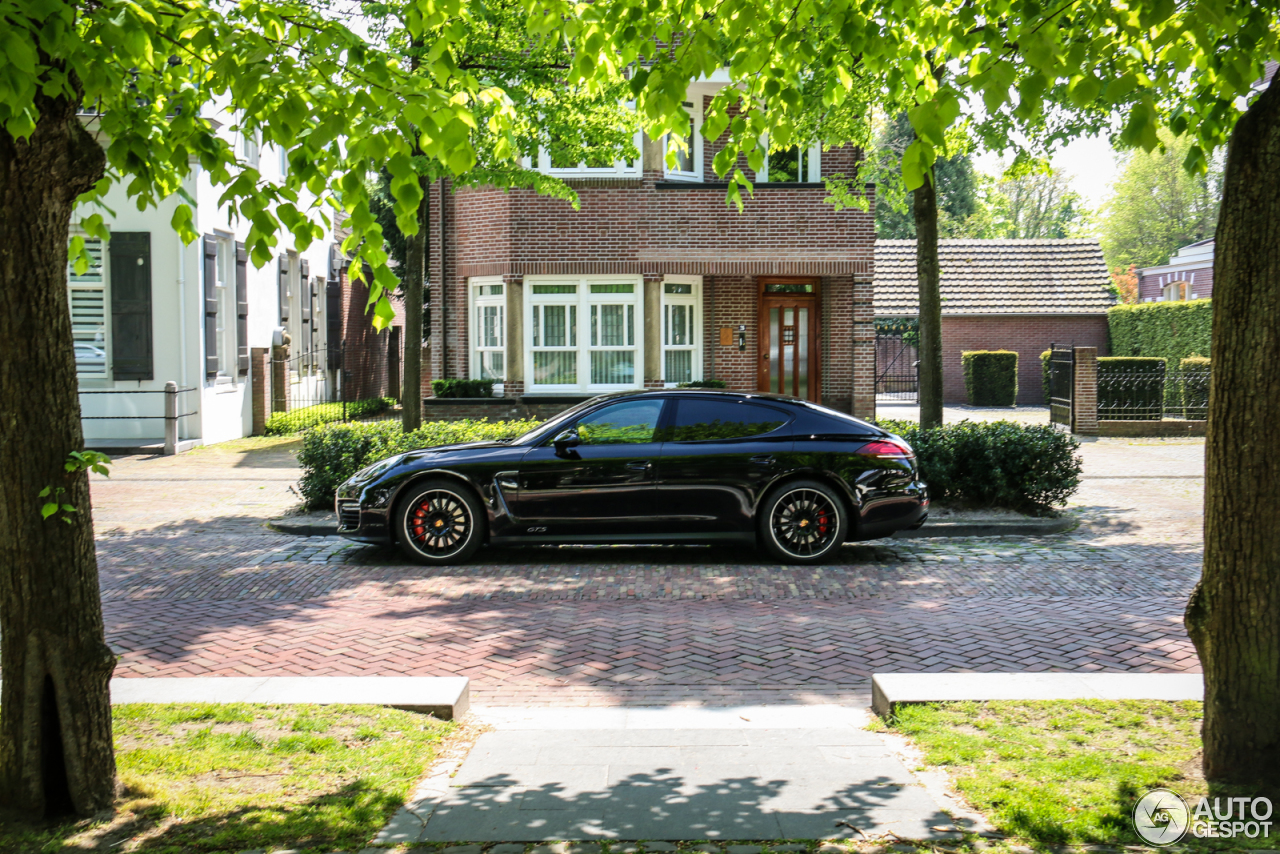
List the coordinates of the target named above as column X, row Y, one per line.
column 565, row 440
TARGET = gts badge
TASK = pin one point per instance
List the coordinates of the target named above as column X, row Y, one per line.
column 537, row 529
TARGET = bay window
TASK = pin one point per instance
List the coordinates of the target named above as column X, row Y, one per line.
column 681, row 329
column 489, row 328
column 583, row 334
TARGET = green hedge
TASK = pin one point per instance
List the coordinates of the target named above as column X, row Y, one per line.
column 990, row 377
column 1045, row 370
column 1126, row 398
column 995, row 463
column 462, row 388
column 332, row 453
column 1162, row 330
column 297, row 420
column 704, row 384
column 1193, row 388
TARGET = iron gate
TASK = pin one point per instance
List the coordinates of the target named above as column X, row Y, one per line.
column 1062, row 382
column 897, row 368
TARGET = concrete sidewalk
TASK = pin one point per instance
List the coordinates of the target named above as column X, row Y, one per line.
column 802, row 772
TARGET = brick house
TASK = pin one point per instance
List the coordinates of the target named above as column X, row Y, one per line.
column 1187, row 275
column 653, row 282
column 1020, row 295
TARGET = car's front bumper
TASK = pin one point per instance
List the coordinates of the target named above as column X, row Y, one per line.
column 362, row 525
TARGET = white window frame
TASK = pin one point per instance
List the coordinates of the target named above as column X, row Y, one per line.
column 694, row 108
column 619, row 169
column 225, row 319
column 810, row 161
column 583, row 300
column 479, row 300
column 252, row 147
column 694, row 300
column 297, row 347
column 93, row 281
column 1175, row 291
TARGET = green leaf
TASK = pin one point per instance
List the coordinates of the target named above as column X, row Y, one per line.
column 48, row 509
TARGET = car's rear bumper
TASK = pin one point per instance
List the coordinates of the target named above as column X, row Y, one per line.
column 910, row 510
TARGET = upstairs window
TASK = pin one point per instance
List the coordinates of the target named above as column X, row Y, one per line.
column 792, row 165
column 688, row 160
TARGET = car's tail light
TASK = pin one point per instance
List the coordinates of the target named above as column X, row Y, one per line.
column 885, row 449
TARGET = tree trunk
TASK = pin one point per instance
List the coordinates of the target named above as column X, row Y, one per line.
column 1234, row 613
column 55, row 712
column 928, row 275
column 416, row 249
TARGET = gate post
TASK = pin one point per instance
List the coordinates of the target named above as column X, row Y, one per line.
column 170, row 419
column 260, row 387
column 1084, row 403
column 280, row 378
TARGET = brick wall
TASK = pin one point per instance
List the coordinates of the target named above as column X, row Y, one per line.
column 1028, row 336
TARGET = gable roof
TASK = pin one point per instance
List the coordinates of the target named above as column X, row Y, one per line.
column 983, row 277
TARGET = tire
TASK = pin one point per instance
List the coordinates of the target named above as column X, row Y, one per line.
column 802, row 521
column 448, row 508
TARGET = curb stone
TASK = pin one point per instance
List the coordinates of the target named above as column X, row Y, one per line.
column 993, row 528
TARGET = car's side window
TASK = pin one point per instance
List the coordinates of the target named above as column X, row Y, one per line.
column 629, row 423
column 700, row 420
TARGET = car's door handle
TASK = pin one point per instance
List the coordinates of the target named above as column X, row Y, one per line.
column 762, row 460
column 641, row 465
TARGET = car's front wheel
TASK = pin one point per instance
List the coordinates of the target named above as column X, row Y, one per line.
column 440, row 522
column 803, row 521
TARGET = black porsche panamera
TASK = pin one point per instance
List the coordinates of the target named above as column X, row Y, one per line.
column 643, row 467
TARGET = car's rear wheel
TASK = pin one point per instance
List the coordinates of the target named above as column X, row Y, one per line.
column 440, row 522
column 803, row 521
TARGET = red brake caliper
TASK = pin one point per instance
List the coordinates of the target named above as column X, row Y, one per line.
column 822, row 522
column 418, row 529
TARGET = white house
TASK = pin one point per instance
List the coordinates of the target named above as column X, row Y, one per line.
column 152, row 310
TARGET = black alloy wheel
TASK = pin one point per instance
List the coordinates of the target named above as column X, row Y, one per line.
column 803, row 522
column 440, row 522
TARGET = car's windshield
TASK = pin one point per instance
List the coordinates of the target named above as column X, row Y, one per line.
column 549, row 428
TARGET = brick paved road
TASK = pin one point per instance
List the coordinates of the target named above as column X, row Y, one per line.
column 193, row 583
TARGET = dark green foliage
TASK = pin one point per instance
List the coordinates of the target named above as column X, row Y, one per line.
column 958, row 196
column 907, row 327
column 1045, row 357
column 332, row 453
column 1163, row 330
column 995, row 463
column 990, row 377
column 1193, row 388
column 1130, row 388
column 704, row 384
column 462, row 388
column 297, row 420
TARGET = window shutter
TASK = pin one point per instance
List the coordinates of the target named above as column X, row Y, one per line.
column 242, row 309
column 284, row 289
column 131, row 348
column 210, row 306
column 315, row 309
column 305, row 302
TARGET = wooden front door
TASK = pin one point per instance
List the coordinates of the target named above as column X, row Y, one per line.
column 789, row 337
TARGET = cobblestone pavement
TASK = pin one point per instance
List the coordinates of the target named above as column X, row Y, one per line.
column 194, row 583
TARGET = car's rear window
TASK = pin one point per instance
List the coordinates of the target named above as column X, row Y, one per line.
column 702, row 420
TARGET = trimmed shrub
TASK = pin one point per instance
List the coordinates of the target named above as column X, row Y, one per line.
column 1130, row 388
column 1161, row 330
column 990, row 377
column 1045, row 370
column 995, row 463
column 332, row 453
column 704, row 384
column 462, row 388
column 297, row 420
column 1193, row 388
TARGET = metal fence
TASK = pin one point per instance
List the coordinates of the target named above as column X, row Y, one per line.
column 1062, row 381
column 1180, row 393
column 897, row 369
column 343, row 382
